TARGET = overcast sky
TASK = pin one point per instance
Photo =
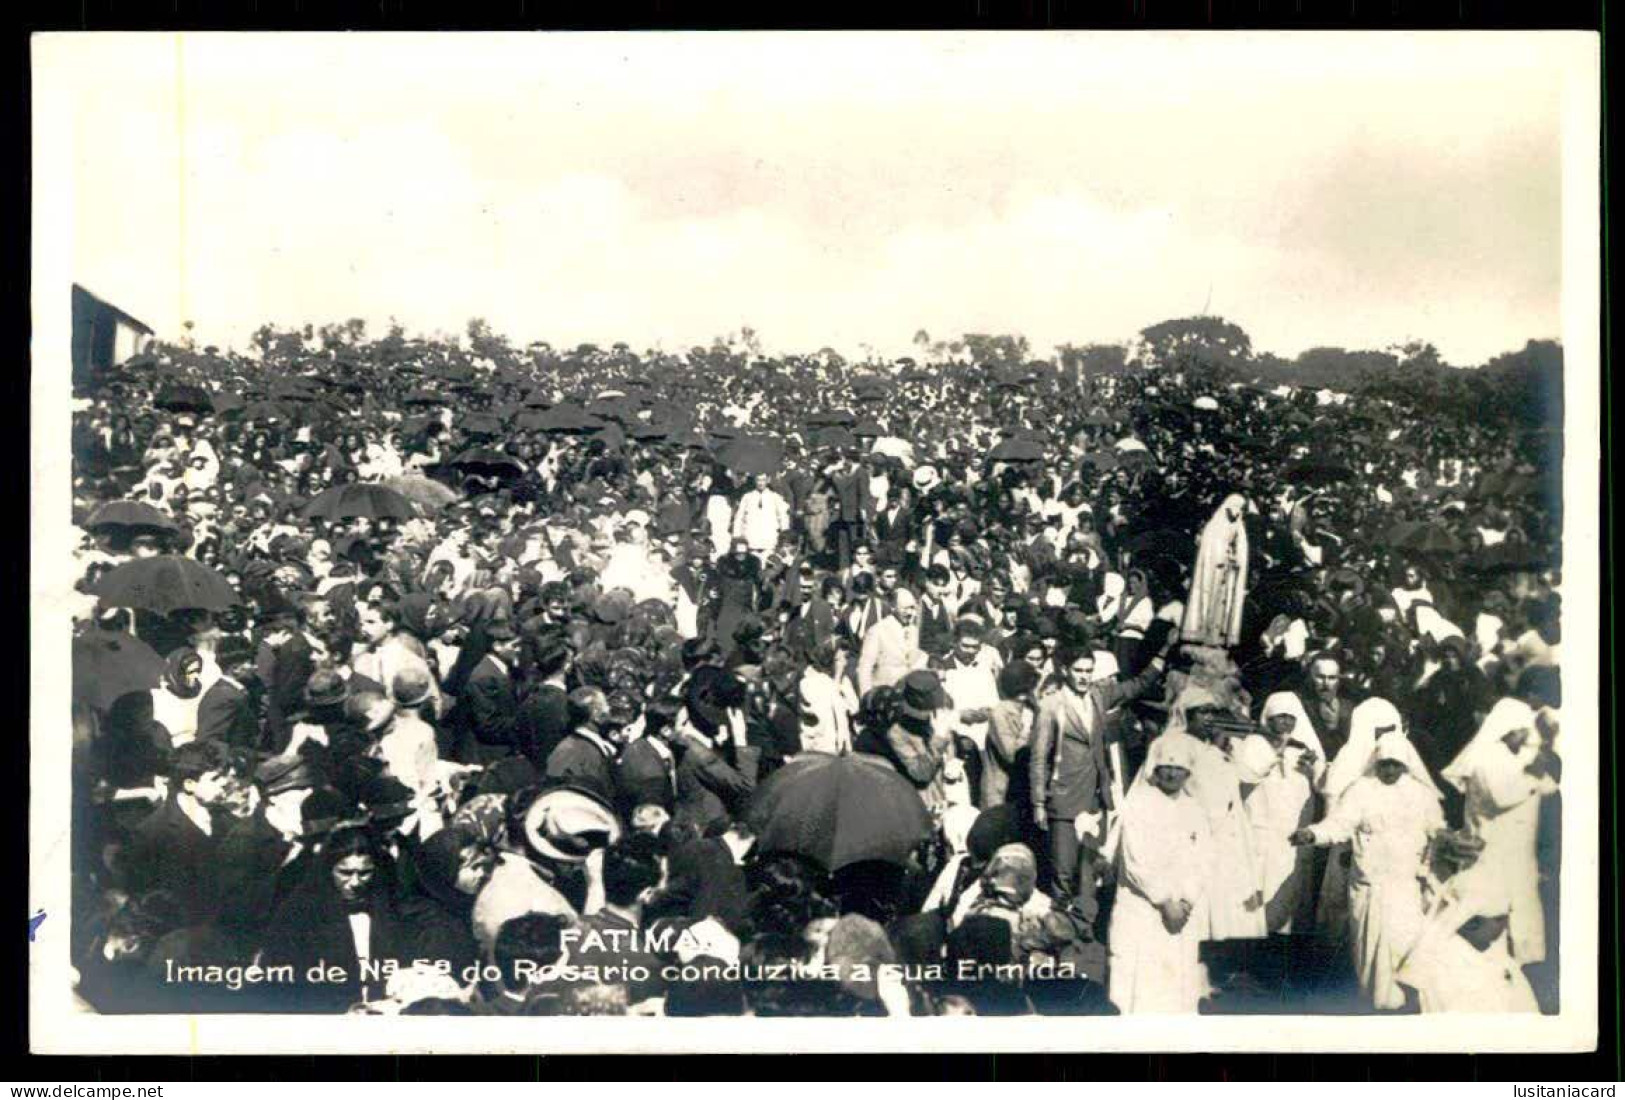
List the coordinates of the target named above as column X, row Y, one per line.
column 825, row 189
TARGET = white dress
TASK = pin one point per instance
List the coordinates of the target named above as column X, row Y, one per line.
column 1388, row 827
column 1233, row 880
column 1163, row 854
column 1281, row 801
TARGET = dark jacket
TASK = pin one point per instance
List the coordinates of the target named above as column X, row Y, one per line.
column 226, row 713
column 485, row 714
column 580, row 761
column 710, row 789
column 644, row 776
column 284, row 672
column 704, row 881
column 169, row 852
column 1068, row 765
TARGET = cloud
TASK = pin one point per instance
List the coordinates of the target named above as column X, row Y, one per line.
column 827, row 189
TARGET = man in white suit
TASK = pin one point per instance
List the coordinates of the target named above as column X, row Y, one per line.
column 891, row 650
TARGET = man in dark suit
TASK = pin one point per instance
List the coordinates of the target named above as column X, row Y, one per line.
column 176, row 848
column 586, row 756
column 487, row 707
column 647, row 771
column 284, row 664
column 717, row 767
column 853, row 507
column 706, row 878
column 544, row 705
column 1323, row 702
column 894, row 527
column 228, row 712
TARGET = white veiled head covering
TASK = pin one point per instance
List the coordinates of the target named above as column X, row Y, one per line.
column 1175, row 749
column 1287, row 702
column 1395, row 746
column 1368, row 721
column 1485, row 749
column 1191, row 697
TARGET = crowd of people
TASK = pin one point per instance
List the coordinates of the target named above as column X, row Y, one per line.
column 426, row 681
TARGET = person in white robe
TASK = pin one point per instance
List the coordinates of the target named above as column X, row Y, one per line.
column 1219, row 580
column 1464, row 960
column 1279, row 769
column 1501, row 774
column 1235, row 902
column 1159, row 917
column 1388, row 816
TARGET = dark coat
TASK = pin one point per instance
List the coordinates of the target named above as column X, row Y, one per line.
column 851, row 501
column 284, row 672
column 644, row 776
column 227, row 714
column 581, row 762
column 312, row 927
column 709, row 788
column 542, row 721
column 169, row 852
column 704, row 881
column 484, row 718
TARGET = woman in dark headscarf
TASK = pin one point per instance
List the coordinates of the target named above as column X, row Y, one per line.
column 175, row 701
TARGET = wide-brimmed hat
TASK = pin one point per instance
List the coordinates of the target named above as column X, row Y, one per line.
column 567, row 824
column 412, row 686
column 926, row 478
column 326, row 688
column 280, row 774
column 922, row 694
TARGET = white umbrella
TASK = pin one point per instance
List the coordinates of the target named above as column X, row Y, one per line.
column 1129, row 444
column 896, row 448
column 1205, row 402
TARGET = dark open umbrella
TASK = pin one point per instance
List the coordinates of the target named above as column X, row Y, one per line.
column 1317, row 471
column 480, row 423
column 1426, row 538
column 424, row 397
column 130, row 516
column 688, row 437
column 832, row 417
column 834, row 438
column 752, row 456
column 868, row 429
column 1017, row 450
column 108, row 665
column 166, row 584
column 428, row 494
column 359, row 500
column 839, row 810
column 184, row 397
column 1510, row 557
column 267, row 410
column 487, row 462
column 539, row 399
column 225, row 404
column 567, row 420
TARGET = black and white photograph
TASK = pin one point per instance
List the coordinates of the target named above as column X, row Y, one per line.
column 789, row 541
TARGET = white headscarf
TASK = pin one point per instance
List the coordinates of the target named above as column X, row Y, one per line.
column 1174, row 748
column 1369, row 721
column 1395, row 746
column 1481, row 752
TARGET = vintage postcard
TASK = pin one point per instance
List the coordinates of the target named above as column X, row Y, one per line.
column 815, row 542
